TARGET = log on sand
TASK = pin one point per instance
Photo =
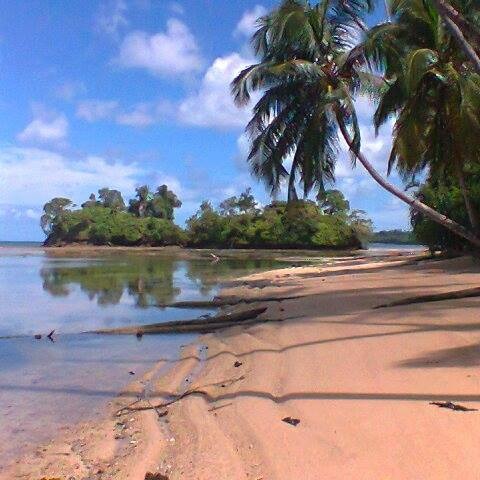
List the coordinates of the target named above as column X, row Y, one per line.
column 436, row 297
column 197, row 325
column 226, row 301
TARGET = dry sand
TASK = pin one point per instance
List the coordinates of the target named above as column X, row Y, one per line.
column 359, row 380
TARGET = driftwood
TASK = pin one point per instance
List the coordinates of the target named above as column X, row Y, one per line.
column 196, row 325
column 454, row 406
column 176, row 398
column 436, row 297
column 226, row 301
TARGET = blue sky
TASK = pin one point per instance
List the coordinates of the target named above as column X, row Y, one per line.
column 119, row 93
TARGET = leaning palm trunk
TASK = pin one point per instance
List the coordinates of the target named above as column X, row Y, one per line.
column 446, row 10
column 456, row 32
column 412, row 202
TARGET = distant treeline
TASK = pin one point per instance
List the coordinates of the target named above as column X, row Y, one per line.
column 400, row 237
column 238, row 222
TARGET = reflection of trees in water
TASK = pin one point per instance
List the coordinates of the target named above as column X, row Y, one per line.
column 207, row 276
column 148, row 280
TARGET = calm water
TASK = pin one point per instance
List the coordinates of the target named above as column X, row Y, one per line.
column 46, row 386
column 396, row 247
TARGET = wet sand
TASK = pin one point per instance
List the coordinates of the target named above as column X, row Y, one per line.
column 359, row 379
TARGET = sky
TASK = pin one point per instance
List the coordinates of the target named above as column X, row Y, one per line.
column 120, row 93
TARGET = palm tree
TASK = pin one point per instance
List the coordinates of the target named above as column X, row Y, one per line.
column 139, row 205
column 308, row 74
column 456, row 22
column 433, row 96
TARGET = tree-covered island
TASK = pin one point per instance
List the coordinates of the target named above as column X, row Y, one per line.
column 237, row 222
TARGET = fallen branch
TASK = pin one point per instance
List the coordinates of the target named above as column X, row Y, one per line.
column 436, row 297
column 196, row 325
column 176, row 398
column 454, row 406
column 226, row 301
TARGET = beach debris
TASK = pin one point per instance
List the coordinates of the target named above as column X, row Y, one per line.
column 237, row 364
column 214, row 409
column 50, row 335
column 291, row 421
column 155, row 476
column 177, row 398
column 194, row 325
column 131, row 372
column 437, row 297
column 215, row 258
column 230, row 300
column 454, row 406
column 38, row 337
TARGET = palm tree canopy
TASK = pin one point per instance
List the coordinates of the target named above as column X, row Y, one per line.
column 431, row 91
column 306, row 76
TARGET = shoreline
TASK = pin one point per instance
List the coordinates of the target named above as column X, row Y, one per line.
column 190, row 252
column 235, row 405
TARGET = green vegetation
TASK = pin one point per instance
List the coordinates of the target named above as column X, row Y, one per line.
column 399, row 237
column 148, row 221
column 432, row 94
column 311, row 69
column 238, row 222
column 445, row 195
column 295, row 224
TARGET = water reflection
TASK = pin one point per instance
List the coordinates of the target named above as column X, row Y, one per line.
column 146, row 281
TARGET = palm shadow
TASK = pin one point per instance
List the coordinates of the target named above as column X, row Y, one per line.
column 466, row 356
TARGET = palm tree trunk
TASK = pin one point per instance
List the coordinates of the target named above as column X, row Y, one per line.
column 446, row 10
column 412, row 202
column 292, row 191
column 470, row 207
column 457, row 34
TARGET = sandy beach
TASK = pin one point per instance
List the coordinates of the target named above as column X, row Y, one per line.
column 360, row 380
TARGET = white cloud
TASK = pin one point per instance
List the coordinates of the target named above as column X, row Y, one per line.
column 46, row 127
column 139, row 116
column 93, row 110
column 247, row 24
column 212, row 105
column 33, row 176
column 111, row 17
column 33, row 214
column 19, row 212
column 169, row 53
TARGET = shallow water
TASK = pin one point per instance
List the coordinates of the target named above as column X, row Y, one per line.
column 46, row 386
column 400, row 247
